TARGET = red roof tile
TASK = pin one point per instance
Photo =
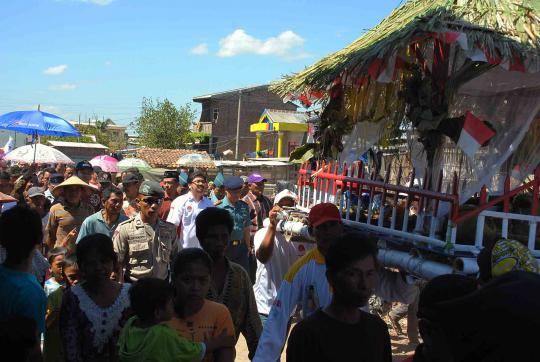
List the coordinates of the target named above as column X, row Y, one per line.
column 166, row 158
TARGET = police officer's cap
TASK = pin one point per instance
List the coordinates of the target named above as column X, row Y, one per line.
column 233, row 182
column 171, row 174
column 84, row 165
column 151, row 188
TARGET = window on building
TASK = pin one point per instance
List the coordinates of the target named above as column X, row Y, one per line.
column 215, row 114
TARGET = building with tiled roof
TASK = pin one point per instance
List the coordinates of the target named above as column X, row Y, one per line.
column 166, row 158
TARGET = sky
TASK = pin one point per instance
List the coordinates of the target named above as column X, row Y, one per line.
column 99, row 58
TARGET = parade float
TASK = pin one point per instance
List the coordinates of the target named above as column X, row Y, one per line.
column 447, row 93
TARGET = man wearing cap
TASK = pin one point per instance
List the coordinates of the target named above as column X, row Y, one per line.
column 67, row 216
column 54, row 180
column 85, row 171
column 185, row 208
column 35, row 199
column 145, row 244
column 259, row 205
column 218, row 193
column 275, row 255
column 106, row 220
column 239, row 247
column 105, row 180
column 305, row 283
column 130, row 186
column 170, row 185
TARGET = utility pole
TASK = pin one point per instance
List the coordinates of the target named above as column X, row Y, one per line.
column 238, row 124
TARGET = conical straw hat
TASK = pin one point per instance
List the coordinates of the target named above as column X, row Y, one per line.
column 72, row 181
column 6, row 198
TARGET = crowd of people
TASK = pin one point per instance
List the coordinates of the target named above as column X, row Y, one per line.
column 103, row 267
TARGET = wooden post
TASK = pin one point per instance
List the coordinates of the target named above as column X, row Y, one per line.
column 383, row 196
column 359, row 174
column 396, row 199
column 408, row 202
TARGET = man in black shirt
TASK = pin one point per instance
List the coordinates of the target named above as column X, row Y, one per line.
column 341, row 331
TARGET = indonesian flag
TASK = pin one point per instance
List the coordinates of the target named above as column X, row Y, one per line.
column 474, row 134
column 468, row 132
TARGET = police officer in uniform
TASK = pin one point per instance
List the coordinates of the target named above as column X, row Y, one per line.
column 145, row 244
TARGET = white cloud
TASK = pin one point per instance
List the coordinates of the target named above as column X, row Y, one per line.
column 62, row 87
column 108, row 62
column 200, row 49
column 283, row 46
column 57, row 69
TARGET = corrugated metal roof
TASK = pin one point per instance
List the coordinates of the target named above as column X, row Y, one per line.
column 76, row 144
column 208, row 96
column 278, row 116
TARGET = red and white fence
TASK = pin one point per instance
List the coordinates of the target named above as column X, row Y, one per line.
column 344, row 186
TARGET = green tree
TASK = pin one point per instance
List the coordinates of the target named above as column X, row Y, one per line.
column 163, row 125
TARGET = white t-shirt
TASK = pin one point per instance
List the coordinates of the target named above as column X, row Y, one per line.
column 184, row 211
column 270, row 274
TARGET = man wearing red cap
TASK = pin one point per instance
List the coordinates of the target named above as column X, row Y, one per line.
column 305, row 283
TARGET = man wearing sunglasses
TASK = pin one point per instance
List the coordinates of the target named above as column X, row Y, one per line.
column 145, row 244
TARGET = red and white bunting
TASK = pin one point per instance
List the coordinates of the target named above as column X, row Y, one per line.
column 289, row 97
column 387, row 73
column 515, row 65
column 450, row 37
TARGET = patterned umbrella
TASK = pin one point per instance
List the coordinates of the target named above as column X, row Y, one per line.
column 107, row 163
column 133, row 162
column 37, row 153
column 195, row 160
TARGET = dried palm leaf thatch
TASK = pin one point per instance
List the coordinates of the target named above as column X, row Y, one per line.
column 431, row 69
column 504, row 28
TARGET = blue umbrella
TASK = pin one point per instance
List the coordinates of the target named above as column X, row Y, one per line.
column 37, row 123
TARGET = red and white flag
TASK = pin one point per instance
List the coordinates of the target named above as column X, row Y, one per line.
column 474, row 134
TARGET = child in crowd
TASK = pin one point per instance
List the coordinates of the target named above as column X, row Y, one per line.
column 52, row 349
column 146, row 337
column 94, row 311
column 56, row 260
column 196, row 318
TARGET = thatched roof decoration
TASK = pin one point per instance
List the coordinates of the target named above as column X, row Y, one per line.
column 500, row 27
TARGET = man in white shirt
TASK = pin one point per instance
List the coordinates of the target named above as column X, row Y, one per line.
column 275, row 255
column 185, row 208
column 305, row 283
